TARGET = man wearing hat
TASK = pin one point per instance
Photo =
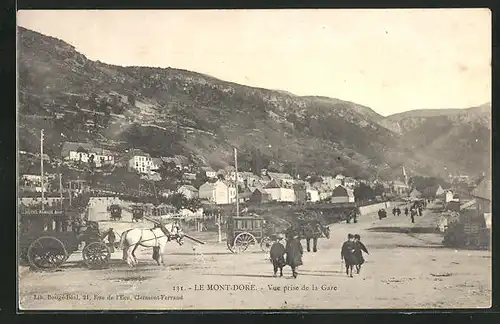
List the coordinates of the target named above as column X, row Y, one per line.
column 294, row 253
column 277, row 254
column 347, row 254
column 358, row 251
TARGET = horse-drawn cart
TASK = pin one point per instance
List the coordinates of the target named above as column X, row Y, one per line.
column 244, row 231
column 46, row 240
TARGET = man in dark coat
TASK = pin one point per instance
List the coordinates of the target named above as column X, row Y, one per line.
column 294, row 253
column 413, row 212
column 406, row 211
column 359, row 248
column 277, row 256
column 347, row 254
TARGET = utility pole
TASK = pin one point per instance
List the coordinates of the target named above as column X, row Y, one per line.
column 69, row 191
column 41, row 168
column 236, row 181
column 60, row 186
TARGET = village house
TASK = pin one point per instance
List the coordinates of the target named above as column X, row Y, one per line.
column 342, row 194
column 278, row 192
column 399, row 188
column 218, row 192
column 415, row 194
column 433, row 191
column 350, row 182
column 166, row 160
column 33, row 182
column 340, row 177
column 189, row 176
column 82, row 152
column 312, row 195
column 450, row 196
column 283, row 179
column 259, row 196
column 188, row 191
column 482, row 194
column 140, row 162
column 209, row 172
column 331, row 182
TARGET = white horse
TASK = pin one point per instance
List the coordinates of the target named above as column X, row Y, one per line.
column 155, row 238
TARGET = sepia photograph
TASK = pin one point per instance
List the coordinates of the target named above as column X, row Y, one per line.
column 291, row 159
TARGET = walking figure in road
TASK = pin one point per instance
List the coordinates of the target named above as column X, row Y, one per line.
column 294, row 252
column 347, row 254
column 394, row 211
column 359, row 248
column 277, row 256
column 419, row 210
column 398, row 211
column 406, row 211
column 413, row 212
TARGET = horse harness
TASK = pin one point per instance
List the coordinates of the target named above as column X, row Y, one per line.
column 165, row 231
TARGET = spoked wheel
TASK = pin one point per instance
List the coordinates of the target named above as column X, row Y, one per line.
column 47, row 253
column 243, row 241
column 265, row 244
column 96, row 255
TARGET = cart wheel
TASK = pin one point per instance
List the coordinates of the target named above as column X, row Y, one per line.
column 96, row 255
column 242, row 241
column 47, row 253
column 265, row 244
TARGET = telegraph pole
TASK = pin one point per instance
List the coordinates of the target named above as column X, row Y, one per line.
column 236, row 181
column 41, row 167
column 60, row 186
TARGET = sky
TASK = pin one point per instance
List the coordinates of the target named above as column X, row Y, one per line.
column 391, row 60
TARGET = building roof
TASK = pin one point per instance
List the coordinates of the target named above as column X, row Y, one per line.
column 207, row 169
column 280, row 176
column 483, row 190
column 399, row 183
column 415, row 193
column 272, row 184
column 342, row 191
column 75, row 146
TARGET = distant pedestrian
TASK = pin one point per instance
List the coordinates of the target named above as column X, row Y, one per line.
column 413, row 212
column 419, row 210
column 406, row 211
column 398, row 211
column 394, row 211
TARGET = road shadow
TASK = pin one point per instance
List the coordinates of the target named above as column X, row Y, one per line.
column 208, row 253
column 404, row 230
column 429, row 246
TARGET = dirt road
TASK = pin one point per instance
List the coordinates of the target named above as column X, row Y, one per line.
column 407, row 268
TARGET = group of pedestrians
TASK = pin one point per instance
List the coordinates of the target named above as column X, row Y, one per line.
column 351, row 254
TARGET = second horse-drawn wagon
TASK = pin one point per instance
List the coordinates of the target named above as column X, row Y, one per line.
column 244, row 231
column 46, row 240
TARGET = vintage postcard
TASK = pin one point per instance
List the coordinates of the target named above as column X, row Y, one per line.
column 254, row 159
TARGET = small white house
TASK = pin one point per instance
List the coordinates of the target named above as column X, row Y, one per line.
column 209, row 172
column 312, row 195
column 84, row 152
column 141, row 162
column 279, row 193
column 218, row 192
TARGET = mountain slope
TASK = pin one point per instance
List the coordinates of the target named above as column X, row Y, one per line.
column 172, row 111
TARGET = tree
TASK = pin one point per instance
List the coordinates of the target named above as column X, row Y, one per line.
column 363, row 192
column 178, row 200
column 379, row 189
column 256, row 162
column 201, row 178
column 193, row 204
